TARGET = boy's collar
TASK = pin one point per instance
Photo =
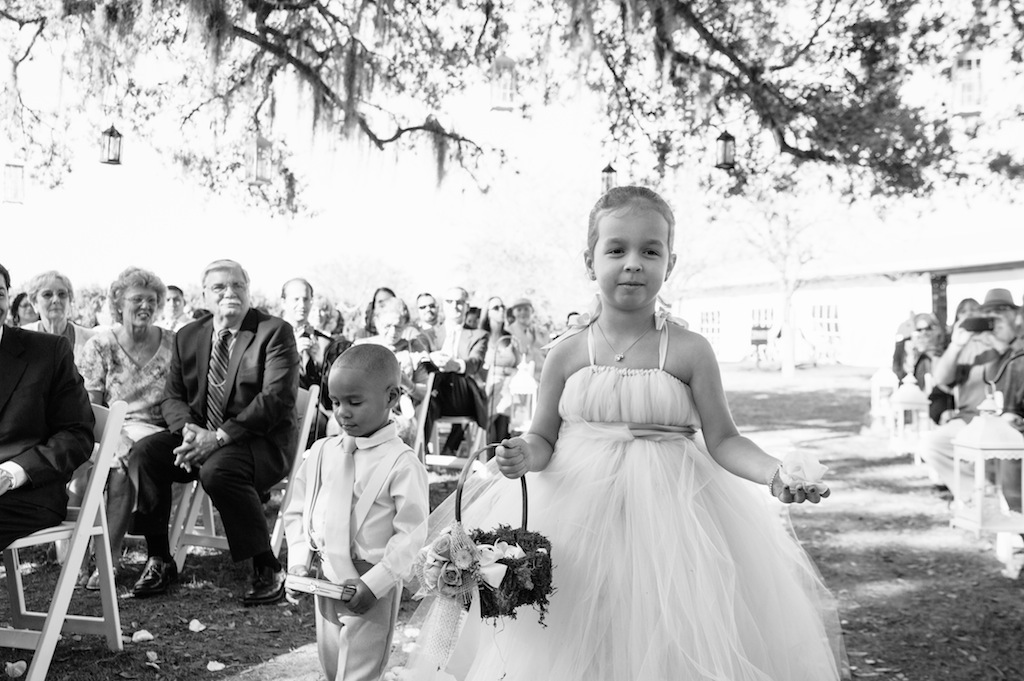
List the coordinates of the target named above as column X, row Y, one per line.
column 386, row 432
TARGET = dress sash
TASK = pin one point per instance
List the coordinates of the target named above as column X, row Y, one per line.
column 626, row 432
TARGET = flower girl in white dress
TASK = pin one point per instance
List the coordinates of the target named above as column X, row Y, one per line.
column 668, row 564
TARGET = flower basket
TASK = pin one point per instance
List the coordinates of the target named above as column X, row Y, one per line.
column 527, row 577
column 507, row 567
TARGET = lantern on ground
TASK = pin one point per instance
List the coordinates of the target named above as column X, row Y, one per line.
column 908, row 407
column 883, row 385
column 983, row 507
column 110, row 146
column 609, row 179
column 523, row 388
column 725, row 151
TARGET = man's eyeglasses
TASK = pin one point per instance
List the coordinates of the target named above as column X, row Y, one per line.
column 497, row 307
column 221, row 289
column 455, row 301
column 922, row 329
column 429, row 306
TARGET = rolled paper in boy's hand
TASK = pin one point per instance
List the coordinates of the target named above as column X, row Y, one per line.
column 802, row 468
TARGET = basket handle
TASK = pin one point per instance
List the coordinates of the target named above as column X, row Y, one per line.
column 465, row 474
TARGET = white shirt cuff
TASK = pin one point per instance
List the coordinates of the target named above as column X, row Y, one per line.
column 379, row 580
column 16, row 471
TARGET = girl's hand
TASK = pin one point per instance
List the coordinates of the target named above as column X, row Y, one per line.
column 801, row 492
column 511, row 457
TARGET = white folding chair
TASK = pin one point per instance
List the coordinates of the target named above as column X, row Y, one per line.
column 39, row 631
column 306, row 404
column 420, row 445
column 196, row 507
column 474, row 435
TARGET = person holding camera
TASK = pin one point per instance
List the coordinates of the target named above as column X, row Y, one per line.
column 296, row 302
column 977, row 349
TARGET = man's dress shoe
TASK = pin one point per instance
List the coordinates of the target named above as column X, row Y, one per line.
column 156, row 577
column 267, row 587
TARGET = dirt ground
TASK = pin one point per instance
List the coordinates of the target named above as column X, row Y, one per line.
column 919, row 601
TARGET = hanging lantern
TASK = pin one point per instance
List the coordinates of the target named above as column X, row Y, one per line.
column 909, row 408
column 504, row 83
column 983, row 508
column 14, row 182
column 725, row 151
column 258, row 161
column 110, row 147
column 609, row 179
column 523, row 388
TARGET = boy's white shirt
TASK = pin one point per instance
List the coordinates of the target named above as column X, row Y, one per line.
column 394, row 528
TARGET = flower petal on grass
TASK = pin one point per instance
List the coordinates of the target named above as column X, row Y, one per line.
column 196, row 626
column 16, row 669
column 141, row 636
column 214, row 666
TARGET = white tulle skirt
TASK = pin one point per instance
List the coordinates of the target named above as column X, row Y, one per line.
column 665, row 567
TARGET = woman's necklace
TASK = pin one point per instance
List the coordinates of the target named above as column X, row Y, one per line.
column 619, row 356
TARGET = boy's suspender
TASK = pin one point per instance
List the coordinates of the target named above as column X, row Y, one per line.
column 375, row 484
column 362, row 508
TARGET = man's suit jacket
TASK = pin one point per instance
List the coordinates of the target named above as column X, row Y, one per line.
column 46, row 421
column 472, row 350
column 262, row 379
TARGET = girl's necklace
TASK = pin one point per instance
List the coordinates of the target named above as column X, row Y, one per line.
column 619, row 356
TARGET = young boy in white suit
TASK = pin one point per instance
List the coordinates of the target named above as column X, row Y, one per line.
column 359, row 504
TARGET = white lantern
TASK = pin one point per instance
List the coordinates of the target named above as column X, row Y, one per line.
column 883, row 385
column 983, row 507
column 523, row 388
column 909, row 409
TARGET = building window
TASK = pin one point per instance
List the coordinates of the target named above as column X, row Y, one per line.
column 14, row 183
column 967, row 93
column 504, row 84
column 711, row 326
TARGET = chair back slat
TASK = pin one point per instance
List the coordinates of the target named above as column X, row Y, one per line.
column 107, row 432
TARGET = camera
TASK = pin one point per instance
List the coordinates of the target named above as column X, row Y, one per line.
column 978, row 324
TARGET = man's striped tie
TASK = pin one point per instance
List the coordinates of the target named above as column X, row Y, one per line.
column 215, row 380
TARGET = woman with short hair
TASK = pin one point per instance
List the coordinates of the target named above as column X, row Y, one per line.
column 52, row 296
column 129, row 362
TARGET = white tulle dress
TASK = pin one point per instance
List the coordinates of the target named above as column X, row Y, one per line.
column 666, row 566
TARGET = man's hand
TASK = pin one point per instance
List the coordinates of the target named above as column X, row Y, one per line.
column 197, row 444
column 363, row 599
column 6, row 481
column 444, row 363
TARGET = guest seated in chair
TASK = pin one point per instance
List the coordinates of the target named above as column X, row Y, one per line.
column 391, row 320
column 458, row 385
column 229, row 403
column 970, row 362
column 52, row 296
column 921, row 351
column 45, row 426
column 129, row 362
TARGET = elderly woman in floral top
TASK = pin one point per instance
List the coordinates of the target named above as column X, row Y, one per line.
column 129, row 362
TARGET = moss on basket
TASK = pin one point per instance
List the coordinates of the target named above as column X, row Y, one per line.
column 528, row 579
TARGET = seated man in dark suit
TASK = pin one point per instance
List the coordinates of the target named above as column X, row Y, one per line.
column 229, row 403
column 458, row 385
column 46, row 426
